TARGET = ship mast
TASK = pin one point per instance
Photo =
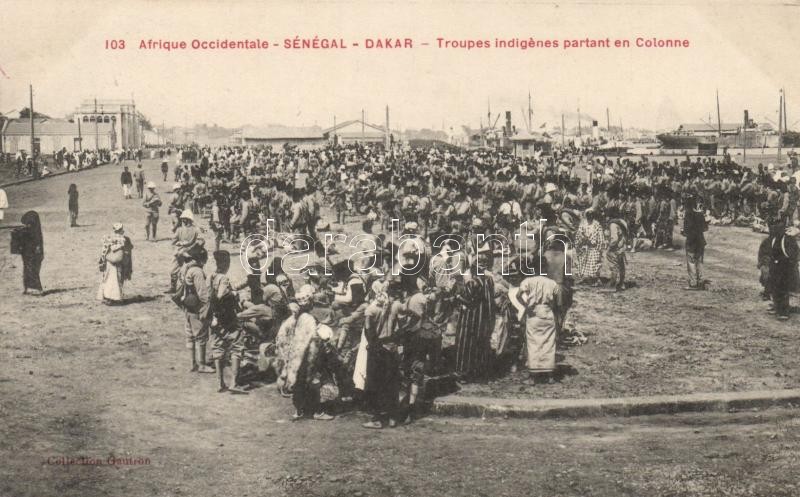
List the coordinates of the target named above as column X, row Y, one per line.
column 785, row 119
column 719, row 121
column 530, row 113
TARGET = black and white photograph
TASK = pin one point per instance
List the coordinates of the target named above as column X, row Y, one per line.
column 399, row 249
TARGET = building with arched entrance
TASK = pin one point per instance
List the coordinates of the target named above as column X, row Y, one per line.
column 120, row 114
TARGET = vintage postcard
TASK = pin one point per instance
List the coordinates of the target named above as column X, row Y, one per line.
column 446, row 248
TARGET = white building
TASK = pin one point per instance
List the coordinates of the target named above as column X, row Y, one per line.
column 359, row 131
column 121, row 114
column 52, row 135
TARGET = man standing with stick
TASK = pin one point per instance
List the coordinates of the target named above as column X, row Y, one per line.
column 151, row 203
column 138, row 176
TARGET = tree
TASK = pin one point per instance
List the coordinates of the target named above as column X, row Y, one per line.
column 25, row 113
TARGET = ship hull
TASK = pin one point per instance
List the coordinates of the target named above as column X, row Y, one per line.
column 673, row 141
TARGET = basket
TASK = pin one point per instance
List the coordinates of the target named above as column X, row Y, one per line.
column 114, row 256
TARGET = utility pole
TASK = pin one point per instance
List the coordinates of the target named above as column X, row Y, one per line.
column 744, row 139
column 363, row 117
column 96, row 131
column 780, row 125
column 80, row 137
column 135, row 123
column 562, row 130
column 388, row 133
column 608, row 120
column 719, row 121
column 1, row 122
column 33, row 135
column 579, row 117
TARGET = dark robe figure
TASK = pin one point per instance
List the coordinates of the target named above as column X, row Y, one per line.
column 783, row 275
column 475, row 326
column 30, row 246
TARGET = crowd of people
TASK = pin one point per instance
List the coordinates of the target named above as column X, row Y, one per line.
column 460, row 264
column 454, row 291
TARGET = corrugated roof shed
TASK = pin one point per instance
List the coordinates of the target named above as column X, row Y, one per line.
column 282, row 133
column 42, row 126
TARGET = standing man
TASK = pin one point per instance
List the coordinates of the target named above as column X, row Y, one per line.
column 694, row 225
column 138, row 175
column 164, row 168
column 788, row 202
column 615, row 253
column 127, row 181
column 673, row 216
column 186, row 237
column 195, row 305
column 19, row 160
column 227, row 338
column 3, row 203
column 176, row 206
column 538, row 296
column 299, row 221
column 312, row 212
column 783, row 276
column 382, row 387
column 151, row 203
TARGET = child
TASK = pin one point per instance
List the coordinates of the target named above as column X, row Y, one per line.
column 227, row 338
column 73, row 205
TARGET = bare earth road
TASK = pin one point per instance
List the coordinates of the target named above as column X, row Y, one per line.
column 81, row 379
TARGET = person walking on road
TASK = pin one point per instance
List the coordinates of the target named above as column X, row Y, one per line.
column 27, row 241
column 151, row 203
column 73, row 205
column 116, row 264
column 138, row 175
column 127, row 182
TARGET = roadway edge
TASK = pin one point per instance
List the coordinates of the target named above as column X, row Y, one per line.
column 486, row 407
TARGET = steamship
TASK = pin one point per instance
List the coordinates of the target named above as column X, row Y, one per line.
column 692, row 136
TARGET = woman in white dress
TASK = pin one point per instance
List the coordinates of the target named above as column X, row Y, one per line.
column 116, row 264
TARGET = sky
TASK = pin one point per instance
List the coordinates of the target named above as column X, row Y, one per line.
column 745, row 50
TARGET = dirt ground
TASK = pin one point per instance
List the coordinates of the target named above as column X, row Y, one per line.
column 656, row 338
column 82, row 379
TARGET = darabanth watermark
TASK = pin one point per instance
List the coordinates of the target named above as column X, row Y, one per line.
column 524, row 255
